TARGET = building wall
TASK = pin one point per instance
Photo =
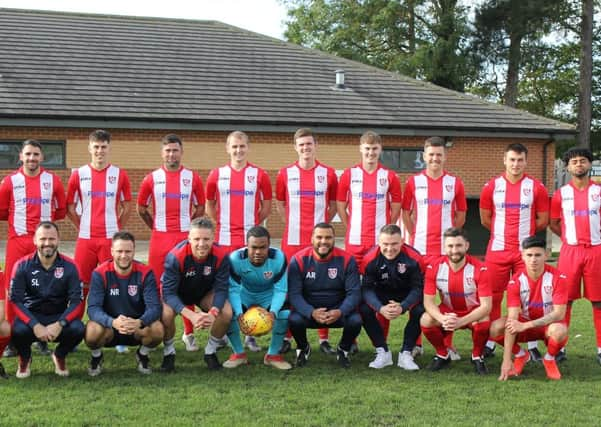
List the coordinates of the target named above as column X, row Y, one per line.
column 475, row 160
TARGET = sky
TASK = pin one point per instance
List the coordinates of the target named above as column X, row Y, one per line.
column 261, row 16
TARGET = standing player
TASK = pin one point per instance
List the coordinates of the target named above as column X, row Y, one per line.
column 123, row 306
column 196, row 272
column 369, row 197
column 536, row 307
column 324, row 291
column 258, row 277
column 27, row 197
column 4, row 326
column 392, row 285
column 238, row 198
column 305, row 196
column 102, row 192
column 576, row 217
column 177, row 197
column 433, row 201
column 47, row 293
column 466, row 299
column 513, row 206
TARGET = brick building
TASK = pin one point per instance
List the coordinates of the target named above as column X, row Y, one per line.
column 63, row 75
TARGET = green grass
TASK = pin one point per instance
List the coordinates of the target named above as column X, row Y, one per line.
column 319, row 394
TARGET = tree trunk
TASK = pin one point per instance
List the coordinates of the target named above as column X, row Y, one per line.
column 586, row 75
column 513, row 70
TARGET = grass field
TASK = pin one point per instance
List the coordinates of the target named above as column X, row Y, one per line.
column 319, row 394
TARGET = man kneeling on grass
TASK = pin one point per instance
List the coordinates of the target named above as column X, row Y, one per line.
column 466, row 300
column 123, row 306
column 537, row 299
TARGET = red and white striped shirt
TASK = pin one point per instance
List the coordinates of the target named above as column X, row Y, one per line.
column 369, row 196
column 307, row 195
column 25, row 201
column 172, row 194
column 514, row 208
column 98, row 192
column 580, row 214
column 537, row 297
column 434, row 202
column 460, row 291
column 238, row 195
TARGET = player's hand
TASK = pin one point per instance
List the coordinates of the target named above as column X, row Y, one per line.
column 391, row 311
column 450, row 322
column 506, row 370
column 131, row 325
column 206, row 320
column 332, row 316
column 320, row 315
column 53, row 330
column 120, row 324
column 514, row 326
column 40, row 332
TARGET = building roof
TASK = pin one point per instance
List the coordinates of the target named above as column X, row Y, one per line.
column 77, row 68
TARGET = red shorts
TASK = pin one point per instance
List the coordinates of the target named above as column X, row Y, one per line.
column 16, row 248
column 159, row 246
column 358, row 252
column 290, row 250
column 501, row 265
column 581, row 264
column 89, row 253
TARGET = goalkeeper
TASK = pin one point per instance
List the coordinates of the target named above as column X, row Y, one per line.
column 258, row 277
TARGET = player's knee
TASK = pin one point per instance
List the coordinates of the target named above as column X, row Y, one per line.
column 20, row 329
column 417, row 311
column 4, row 328
column 427, row 321
column 353, row 320
column 497, row 327
column 75, row 329
column 94, row 332
column 366, row 310
column 295, row 319
column 558, row 331
column 225, row 314
column 156, row 332
column 167, row 315
column 283, row 315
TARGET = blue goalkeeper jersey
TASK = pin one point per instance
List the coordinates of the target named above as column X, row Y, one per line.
column 249, row 282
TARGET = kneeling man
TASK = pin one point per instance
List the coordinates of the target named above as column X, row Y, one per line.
column 123, row 306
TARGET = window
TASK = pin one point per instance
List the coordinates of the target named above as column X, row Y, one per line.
column 54, row 154
column 403, row 159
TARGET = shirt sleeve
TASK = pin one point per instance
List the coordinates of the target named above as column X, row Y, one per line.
column 222, row 281
column 76, row 301
column 265, row 186
column 125, row 187
column 415, row 295
column 295, row 290
column 235, row 288
column 368, row 290
column 211, row 193
column 556, row 205
column 17, row 295
column 430, row 280
column 560, row 290
column 4, row 198
column 483, row 282
column 352, row 287
column 280, row 186
column 96, row 301
column 332, row 185
column 486, row 197
column 513, row 293
column 59, row 199
column 343, row 186
column 408, row 194
column 460, row 199
column 153, row 308
column 171, row 279
column 145, row 192
column 280, row 286
column 541, row 198
column 394, row 189
column 198, row 191
column 73, row 188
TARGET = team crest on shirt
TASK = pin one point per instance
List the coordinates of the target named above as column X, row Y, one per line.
column 383, row 181
column 46, row 185
column 132, row 290
column 112, row 179
column 401, row 267
column 321, row 179
column 267, row 275
column 548, row 289
column 526, row 191
column 207, row 270
column 186, row 182
column 448, row 187
column 59, row 272
column 332, row 273
column 470, row 281
column 250, row 179
column 595, row 197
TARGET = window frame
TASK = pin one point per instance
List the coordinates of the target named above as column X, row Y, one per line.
column 400, row 151
column 61, row 143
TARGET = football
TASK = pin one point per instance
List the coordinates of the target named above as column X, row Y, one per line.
column 255, row 321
